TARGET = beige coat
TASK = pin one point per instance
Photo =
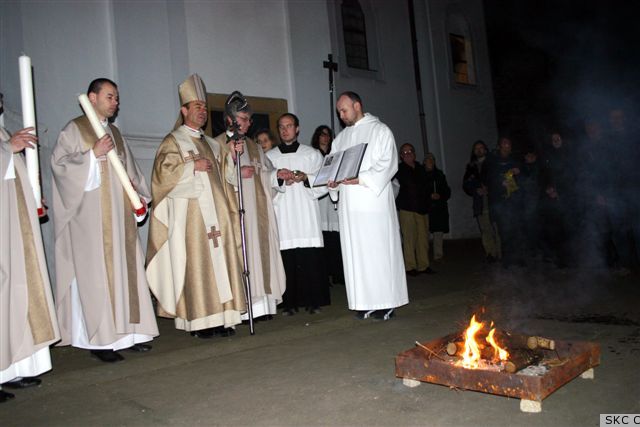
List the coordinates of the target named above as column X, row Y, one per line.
column 96, row 241
column 193, row 255
column 27, row 315
column 267, row 276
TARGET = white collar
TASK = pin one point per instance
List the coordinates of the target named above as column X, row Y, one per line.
column 193, row 132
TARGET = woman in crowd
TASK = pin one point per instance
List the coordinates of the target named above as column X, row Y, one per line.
column 439, row 215
column 474, row 184
column 265, row 139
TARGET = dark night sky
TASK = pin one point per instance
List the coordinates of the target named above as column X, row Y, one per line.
column 556, row 62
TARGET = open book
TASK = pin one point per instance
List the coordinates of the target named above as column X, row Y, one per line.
column 341, row 165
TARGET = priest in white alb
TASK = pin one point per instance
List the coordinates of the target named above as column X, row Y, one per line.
column 102, row 297
column 369, row 230
column 28, row 323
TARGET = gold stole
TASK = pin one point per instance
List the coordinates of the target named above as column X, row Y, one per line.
column 38, row 309
column 130, row 226
column 263, row 217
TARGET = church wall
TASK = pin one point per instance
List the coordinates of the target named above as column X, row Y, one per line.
column 310, row 45
column 69, row 43
column 240, row 45
column 389, row 92
column 457, row 115
column 262, row 48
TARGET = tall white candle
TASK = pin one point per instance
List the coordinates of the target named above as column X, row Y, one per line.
column 111, row 155
column 29, row 120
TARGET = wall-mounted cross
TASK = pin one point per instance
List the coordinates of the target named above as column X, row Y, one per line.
column 332, row 67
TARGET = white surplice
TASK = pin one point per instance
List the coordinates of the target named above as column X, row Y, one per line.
column 369, row 228
column 296, row 206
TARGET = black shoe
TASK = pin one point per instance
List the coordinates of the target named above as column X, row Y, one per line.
column 107, row 356
column 412, row 273
column 363, row 314
column 140, row 348
column 428, row 270
column 203, row 333
column 23, row 383
column 288, row 312
column 221, row 331
column 315, row 310
column 384, row 314
column 4, row 396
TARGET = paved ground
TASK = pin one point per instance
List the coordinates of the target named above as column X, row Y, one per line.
column 331, row 369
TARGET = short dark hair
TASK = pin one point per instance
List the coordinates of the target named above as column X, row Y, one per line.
column 315, row 139
column 473, row 146
column 352, row 96
column 96, row 85
column 269, row 134
column 293, row 116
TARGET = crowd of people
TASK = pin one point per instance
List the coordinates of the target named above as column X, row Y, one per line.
column 235, row 227
column 569, row 202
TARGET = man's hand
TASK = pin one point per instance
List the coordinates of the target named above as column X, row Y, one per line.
column 236, row 147
column 299, row 176
column 202, row 165
column 23, row 139
column 515, row 171
column 247, row 171
column 103, row 146
column 482, row 191
column 435, row 196
column 354, row 181
column 551, row 192
column 332, row 184
column 284, row 174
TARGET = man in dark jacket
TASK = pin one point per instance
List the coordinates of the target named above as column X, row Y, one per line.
column 505, row 201
column 413, row 205
column 474, row 183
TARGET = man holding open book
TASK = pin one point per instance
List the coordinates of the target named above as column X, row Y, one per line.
column 369, row 229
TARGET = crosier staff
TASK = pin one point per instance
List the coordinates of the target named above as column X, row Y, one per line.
column 235, row 102
column 139, row 207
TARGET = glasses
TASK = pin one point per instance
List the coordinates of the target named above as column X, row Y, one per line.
column 287, row 126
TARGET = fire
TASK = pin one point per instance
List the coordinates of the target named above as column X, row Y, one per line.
column 498, row 352
column 472, row 354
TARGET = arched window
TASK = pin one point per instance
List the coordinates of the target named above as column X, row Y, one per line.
column 460, row 48
column 355, row 35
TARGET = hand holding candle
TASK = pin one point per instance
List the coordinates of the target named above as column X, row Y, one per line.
column 29, row 121
column 138, row 206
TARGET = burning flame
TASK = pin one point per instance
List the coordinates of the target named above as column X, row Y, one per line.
column 471, row 355
column 498, row 352
column 473, row 349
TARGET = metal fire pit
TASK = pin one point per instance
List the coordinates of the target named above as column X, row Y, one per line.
column 418, row 365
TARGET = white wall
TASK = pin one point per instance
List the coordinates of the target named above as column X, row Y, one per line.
column 456, row 116
column 268, row 48
column 240, row 45
column 310, row 45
